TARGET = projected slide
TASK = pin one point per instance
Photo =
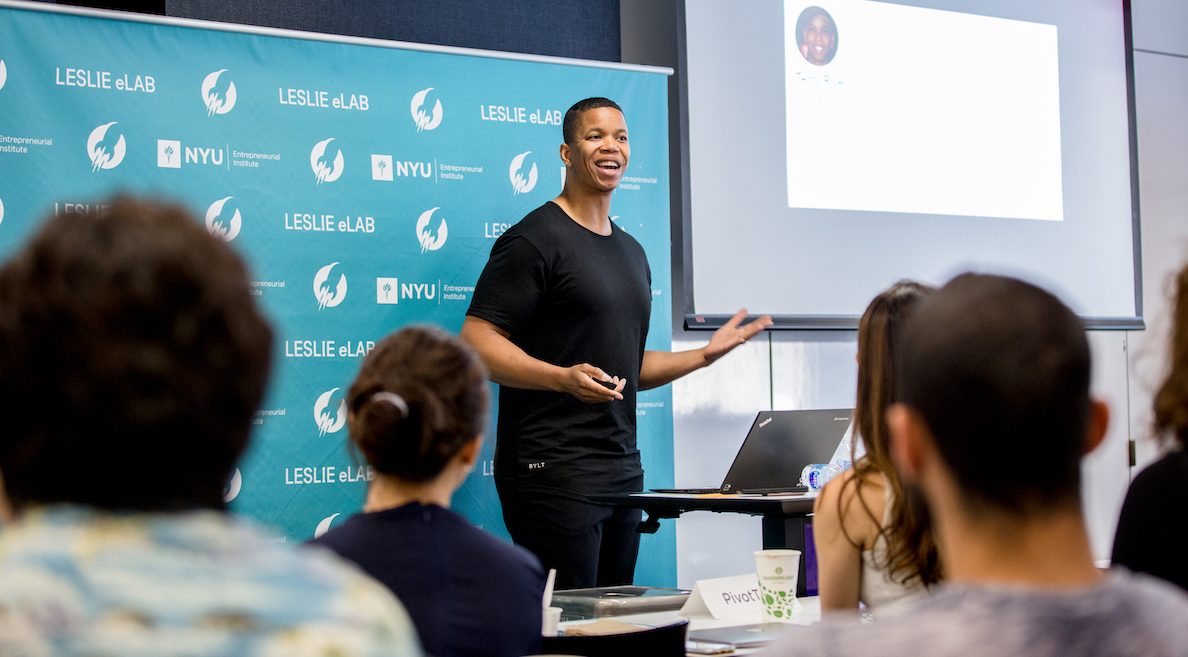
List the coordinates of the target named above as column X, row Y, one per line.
column 894, row 108
column 837, row 146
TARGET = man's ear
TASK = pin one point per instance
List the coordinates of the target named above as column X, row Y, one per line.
column 471, row 451
column 565, row 154
column 1099, row 422
column 910, row 441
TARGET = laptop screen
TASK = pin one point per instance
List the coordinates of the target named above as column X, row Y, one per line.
column 781, row 443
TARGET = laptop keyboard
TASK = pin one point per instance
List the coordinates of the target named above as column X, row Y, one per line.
column 744, row 491
column 774, row 491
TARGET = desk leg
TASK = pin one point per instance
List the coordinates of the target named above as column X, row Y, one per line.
column 785, row 532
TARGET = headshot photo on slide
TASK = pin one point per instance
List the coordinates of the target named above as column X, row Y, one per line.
column 816, row 35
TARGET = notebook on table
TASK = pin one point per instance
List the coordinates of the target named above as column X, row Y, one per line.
column 776, row 449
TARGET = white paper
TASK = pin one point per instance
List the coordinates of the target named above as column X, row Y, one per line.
column 734, row 598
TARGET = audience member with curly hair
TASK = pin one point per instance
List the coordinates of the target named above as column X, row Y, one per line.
column 1146, row 541
column 132, row 359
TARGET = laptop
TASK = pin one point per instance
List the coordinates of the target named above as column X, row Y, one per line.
column 776, row 449
column 744, row 636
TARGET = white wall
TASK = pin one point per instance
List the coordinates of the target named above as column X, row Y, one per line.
column 714, row 408
column 1161, row 100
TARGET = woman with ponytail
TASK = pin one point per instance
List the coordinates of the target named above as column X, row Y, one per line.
column 872, row 535
column 417, row 410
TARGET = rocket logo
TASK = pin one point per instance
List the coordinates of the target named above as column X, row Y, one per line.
column 425, row 120
column 431, row 234
column 522, row 183
column 330, row 418
column 329, row 295
column 218, row 93
column 106, row 147
column 223, row 219
column 326, row 160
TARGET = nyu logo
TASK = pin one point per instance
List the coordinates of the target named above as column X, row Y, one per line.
column 521, row 183
column 233, row 487
column 425, row 120
column 387, row 290
column 223, row 220
column 218, row 92
column 324, row 525
column 3, row 74
column 330, row 418
column 326, row 161
column 106, row 147
column 329, row 296
column 431, row 238
column 171, row 154
column 383, row 168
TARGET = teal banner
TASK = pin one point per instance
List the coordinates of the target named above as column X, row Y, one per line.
column 364, row 182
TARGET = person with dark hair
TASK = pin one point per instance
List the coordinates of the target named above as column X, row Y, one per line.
column 416, row 412
column 874, row 544
column 816, row 36
column 132, row 359
column 1145, row 541
column 560, row 317
column 992, row 419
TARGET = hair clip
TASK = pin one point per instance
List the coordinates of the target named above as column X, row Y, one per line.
column 393, row 399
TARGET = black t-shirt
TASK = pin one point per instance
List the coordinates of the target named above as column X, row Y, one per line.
column 1152, row 536
column 467, row 592
column 566, row 295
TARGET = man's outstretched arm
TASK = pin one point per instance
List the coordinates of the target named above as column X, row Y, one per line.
column 661, row 367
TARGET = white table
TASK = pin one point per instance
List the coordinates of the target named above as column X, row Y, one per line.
column 808, row 613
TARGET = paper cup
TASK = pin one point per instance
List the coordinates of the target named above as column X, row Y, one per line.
column 550, row 621
column 778, row 571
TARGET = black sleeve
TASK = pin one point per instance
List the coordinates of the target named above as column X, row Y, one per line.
column 1145, row 541
column 1133, row 525
column 1151, row 537
column 511, row 286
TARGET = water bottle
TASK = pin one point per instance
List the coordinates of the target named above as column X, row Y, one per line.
column 816, row 475
column 841, row 456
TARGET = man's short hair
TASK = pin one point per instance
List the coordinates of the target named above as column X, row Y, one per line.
column 132, row 359
column 999, row 371
column 570, row 123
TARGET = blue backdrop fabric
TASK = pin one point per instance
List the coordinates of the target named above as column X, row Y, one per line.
column 365, row 185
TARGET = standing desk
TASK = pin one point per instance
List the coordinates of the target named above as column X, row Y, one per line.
column 786, row 517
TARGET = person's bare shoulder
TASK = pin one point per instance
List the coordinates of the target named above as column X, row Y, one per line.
column 857, row 509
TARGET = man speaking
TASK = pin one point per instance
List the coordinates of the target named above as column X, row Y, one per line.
column 560, row 317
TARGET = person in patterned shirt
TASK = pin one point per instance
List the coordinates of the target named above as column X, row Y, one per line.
column 132, row 359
